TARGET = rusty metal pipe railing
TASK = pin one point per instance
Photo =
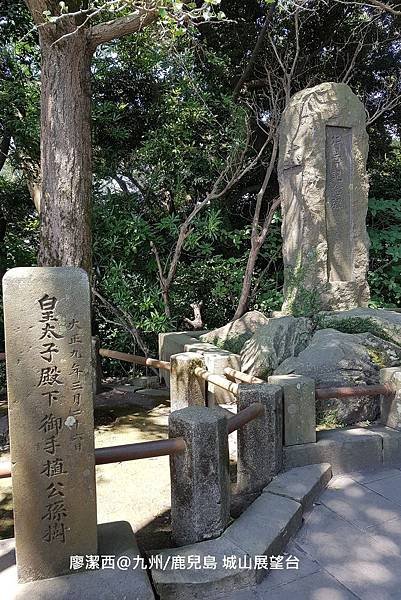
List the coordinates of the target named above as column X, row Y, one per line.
column 383, row 389
column 113, row 454
column 243, row 377
column 137, row 360
column 245, row 416
column 218, row 380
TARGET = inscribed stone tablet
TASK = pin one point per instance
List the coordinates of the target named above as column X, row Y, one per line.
column 338, row 203
column 48, row 352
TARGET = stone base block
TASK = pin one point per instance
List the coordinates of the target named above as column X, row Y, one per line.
column 346, row 450
column 187, row 583
column 114, row 584
column 174, row 342
column 391, row 440
column 303, row 484
column 264, row 528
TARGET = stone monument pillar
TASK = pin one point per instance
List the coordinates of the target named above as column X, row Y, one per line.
column 49, row 383
column 324, row 191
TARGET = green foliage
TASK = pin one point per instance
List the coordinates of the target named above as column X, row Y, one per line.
column 234, row 344
column 327, row 419
column 19, row 83
column 164, row 126
column 18, row 246
column 384, row 227
column 378, row 358
column 126, row 271
column 352, row 325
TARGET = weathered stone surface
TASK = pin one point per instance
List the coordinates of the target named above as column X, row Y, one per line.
column 391, row 440
column 335, row 359
column 233, row 336
column 171, row 343
column 115, row 539
column 216, row 361
column 200, row 484
column 265, row 527
column 186, row 584
column 324, row 190
column 260, row 442
column 384, row 324
column 303, row 484
column 273, row 342
column 345, row 449
column 49, row 376
column 390, row 406
column 186, row 389
column 299, row 413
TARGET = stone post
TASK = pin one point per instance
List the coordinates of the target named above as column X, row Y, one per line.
column 260, row 442
column 200, row 482
column 299, row 408
column 216, row 362
column 49, row 383
column 186, row 389
column 390, row 406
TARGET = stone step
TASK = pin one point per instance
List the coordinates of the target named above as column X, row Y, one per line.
column 263, row 529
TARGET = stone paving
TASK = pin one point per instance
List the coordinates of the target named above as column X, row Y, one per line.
column 349, row 546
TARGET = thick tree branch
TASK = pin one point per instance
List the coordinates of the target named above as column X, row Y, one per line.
column 255, row 52
column 385, row 107
column 394, row 10
column 125, row 321
column 105, row 32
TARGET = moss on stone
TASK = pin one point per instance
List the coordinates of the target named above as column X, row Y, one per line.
column 234, row 344
column 328, row 419
column 378, row 358
column 352, row 325
column 300, row 300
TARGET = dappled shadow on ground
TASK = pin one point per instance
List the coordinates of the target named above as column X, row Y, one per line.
column 123, row 420
column 156, row 534
column 7, row 559
column 6, row 516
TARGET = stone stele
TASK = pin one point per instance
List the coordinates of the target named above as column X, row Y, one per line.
column 324, row 192
column 49, row 383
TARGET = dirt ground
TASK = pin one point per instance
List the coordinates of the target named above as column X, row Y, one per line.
column 136, row 491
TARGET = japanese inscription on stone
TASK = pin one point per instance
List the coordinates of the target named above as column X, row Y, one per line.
column 48, row 350
column 338, row 203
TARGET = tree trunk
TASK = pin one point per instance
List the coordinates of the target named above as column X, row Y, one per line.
column 247, row 282
column 166, row 302
column 65, row 147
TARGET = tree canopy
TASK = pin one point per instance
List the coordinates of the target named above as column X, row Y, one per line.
column 174, row 135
